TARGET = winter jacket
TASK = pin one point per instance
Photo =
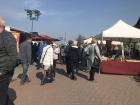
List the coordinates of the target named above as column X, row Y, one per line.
column 66, row 50
column 74, row 54
column 8, row 52
column 47, row 56
column 93, row 51
column 40, row 49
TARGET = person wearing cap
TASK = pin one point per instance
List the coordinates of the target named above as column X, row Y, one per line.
column 74, row 58
column 8, row 61
column 93, row 54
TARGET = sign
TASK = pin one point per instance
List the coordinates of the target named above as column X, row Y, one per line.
column 17, row 37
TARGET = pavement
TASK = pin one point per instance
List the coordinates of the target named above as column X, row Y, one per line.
column 107, row 90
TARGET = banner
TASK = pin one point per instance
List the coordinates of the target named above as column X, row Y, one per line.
column 17, row 37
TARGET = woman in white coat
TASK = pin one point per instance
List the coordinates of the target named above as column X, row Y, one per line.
column 47, row 62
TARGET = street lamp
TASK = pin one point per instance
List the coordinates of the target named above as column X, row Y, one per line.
column 33, row 15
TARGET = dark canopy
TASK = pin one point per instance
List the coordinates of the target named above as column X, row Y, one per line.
column 138, row 24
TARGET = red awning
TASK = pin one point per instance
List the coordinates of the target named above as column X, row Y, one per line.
column 44, row 37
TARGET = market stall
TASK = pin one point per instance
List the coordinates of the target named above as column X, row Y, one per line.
column 123, row 32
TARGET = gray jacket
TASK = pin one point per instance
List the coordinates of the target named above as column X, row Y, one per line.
column 93, row 51
column 25, row 52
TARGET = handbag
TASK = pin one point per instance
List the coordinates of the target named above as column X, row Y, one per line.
column 96, row 62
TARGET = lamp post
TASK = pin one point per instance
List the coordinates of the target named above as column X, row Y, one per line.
column 33, row 15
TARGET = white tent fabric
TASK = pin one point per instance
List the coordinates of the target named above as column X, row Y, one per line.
column 120, row 30
column 104, row 42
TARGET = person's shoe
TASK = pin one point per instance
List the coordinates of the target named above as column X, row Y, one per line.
column 69, row 76
column 53, row 74
column 28, row 80
column 50, row 80
column 42, row 82
column 91, row 79
column 75, row 78
column 22, row 82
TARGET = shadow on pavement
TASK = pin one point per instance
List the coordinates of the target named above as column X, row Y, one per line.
column 137, row 78
column 39, row 75
column 12, row 96
column 61, row 72
column 82, row 76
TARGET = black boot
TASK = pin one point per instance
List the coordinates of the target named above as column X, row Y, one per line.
column 92, row 73
column 73, row 77
column 42, row 82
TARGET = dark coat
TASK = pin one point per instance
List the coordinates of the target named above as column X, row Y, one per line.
column 25, row 52
column 8, row 52
column 74, row 55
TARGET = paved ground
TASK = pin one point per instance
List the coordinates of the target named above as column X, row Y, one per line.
column 108, row 90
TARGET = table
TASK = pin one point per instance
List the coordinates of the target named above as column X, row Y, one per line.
column 120, row 67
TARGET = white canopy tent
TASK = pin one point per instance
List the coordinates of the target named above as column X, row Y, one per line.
column 120, row 30
column 88, row 40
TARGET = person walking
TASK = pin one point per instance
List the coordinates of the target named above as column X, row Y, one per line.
column 34, row 51
column 47, row 62
column 56, row 52
column 94, row 58
column 25, row 57
column 67, row 58
column 39, row 53
column 8, row 61
column 74, row 58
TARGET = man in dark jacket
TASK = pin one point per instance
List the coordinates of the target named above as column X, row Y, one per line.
column 66, row 57
column 8, row 58
column 25, row 57
column 74, row 58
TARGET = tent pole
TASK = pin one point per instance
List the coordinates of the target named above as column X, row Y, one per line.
column 102, row 45
column 123, row 51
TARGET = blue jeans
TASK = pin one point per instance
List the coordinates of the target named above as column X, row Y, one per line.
column 25, row 70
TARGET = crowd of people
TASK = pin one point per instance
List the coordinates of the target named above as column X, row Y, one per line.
column 45, row 55
column 75, row 57
column 84, row 57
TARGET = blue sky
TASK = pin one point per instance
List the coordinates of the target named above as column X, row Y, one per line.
column 85, row 17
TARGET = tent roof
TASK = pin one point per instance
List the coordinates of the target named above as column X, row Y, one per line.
column 120, row 30
column 44, row 37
